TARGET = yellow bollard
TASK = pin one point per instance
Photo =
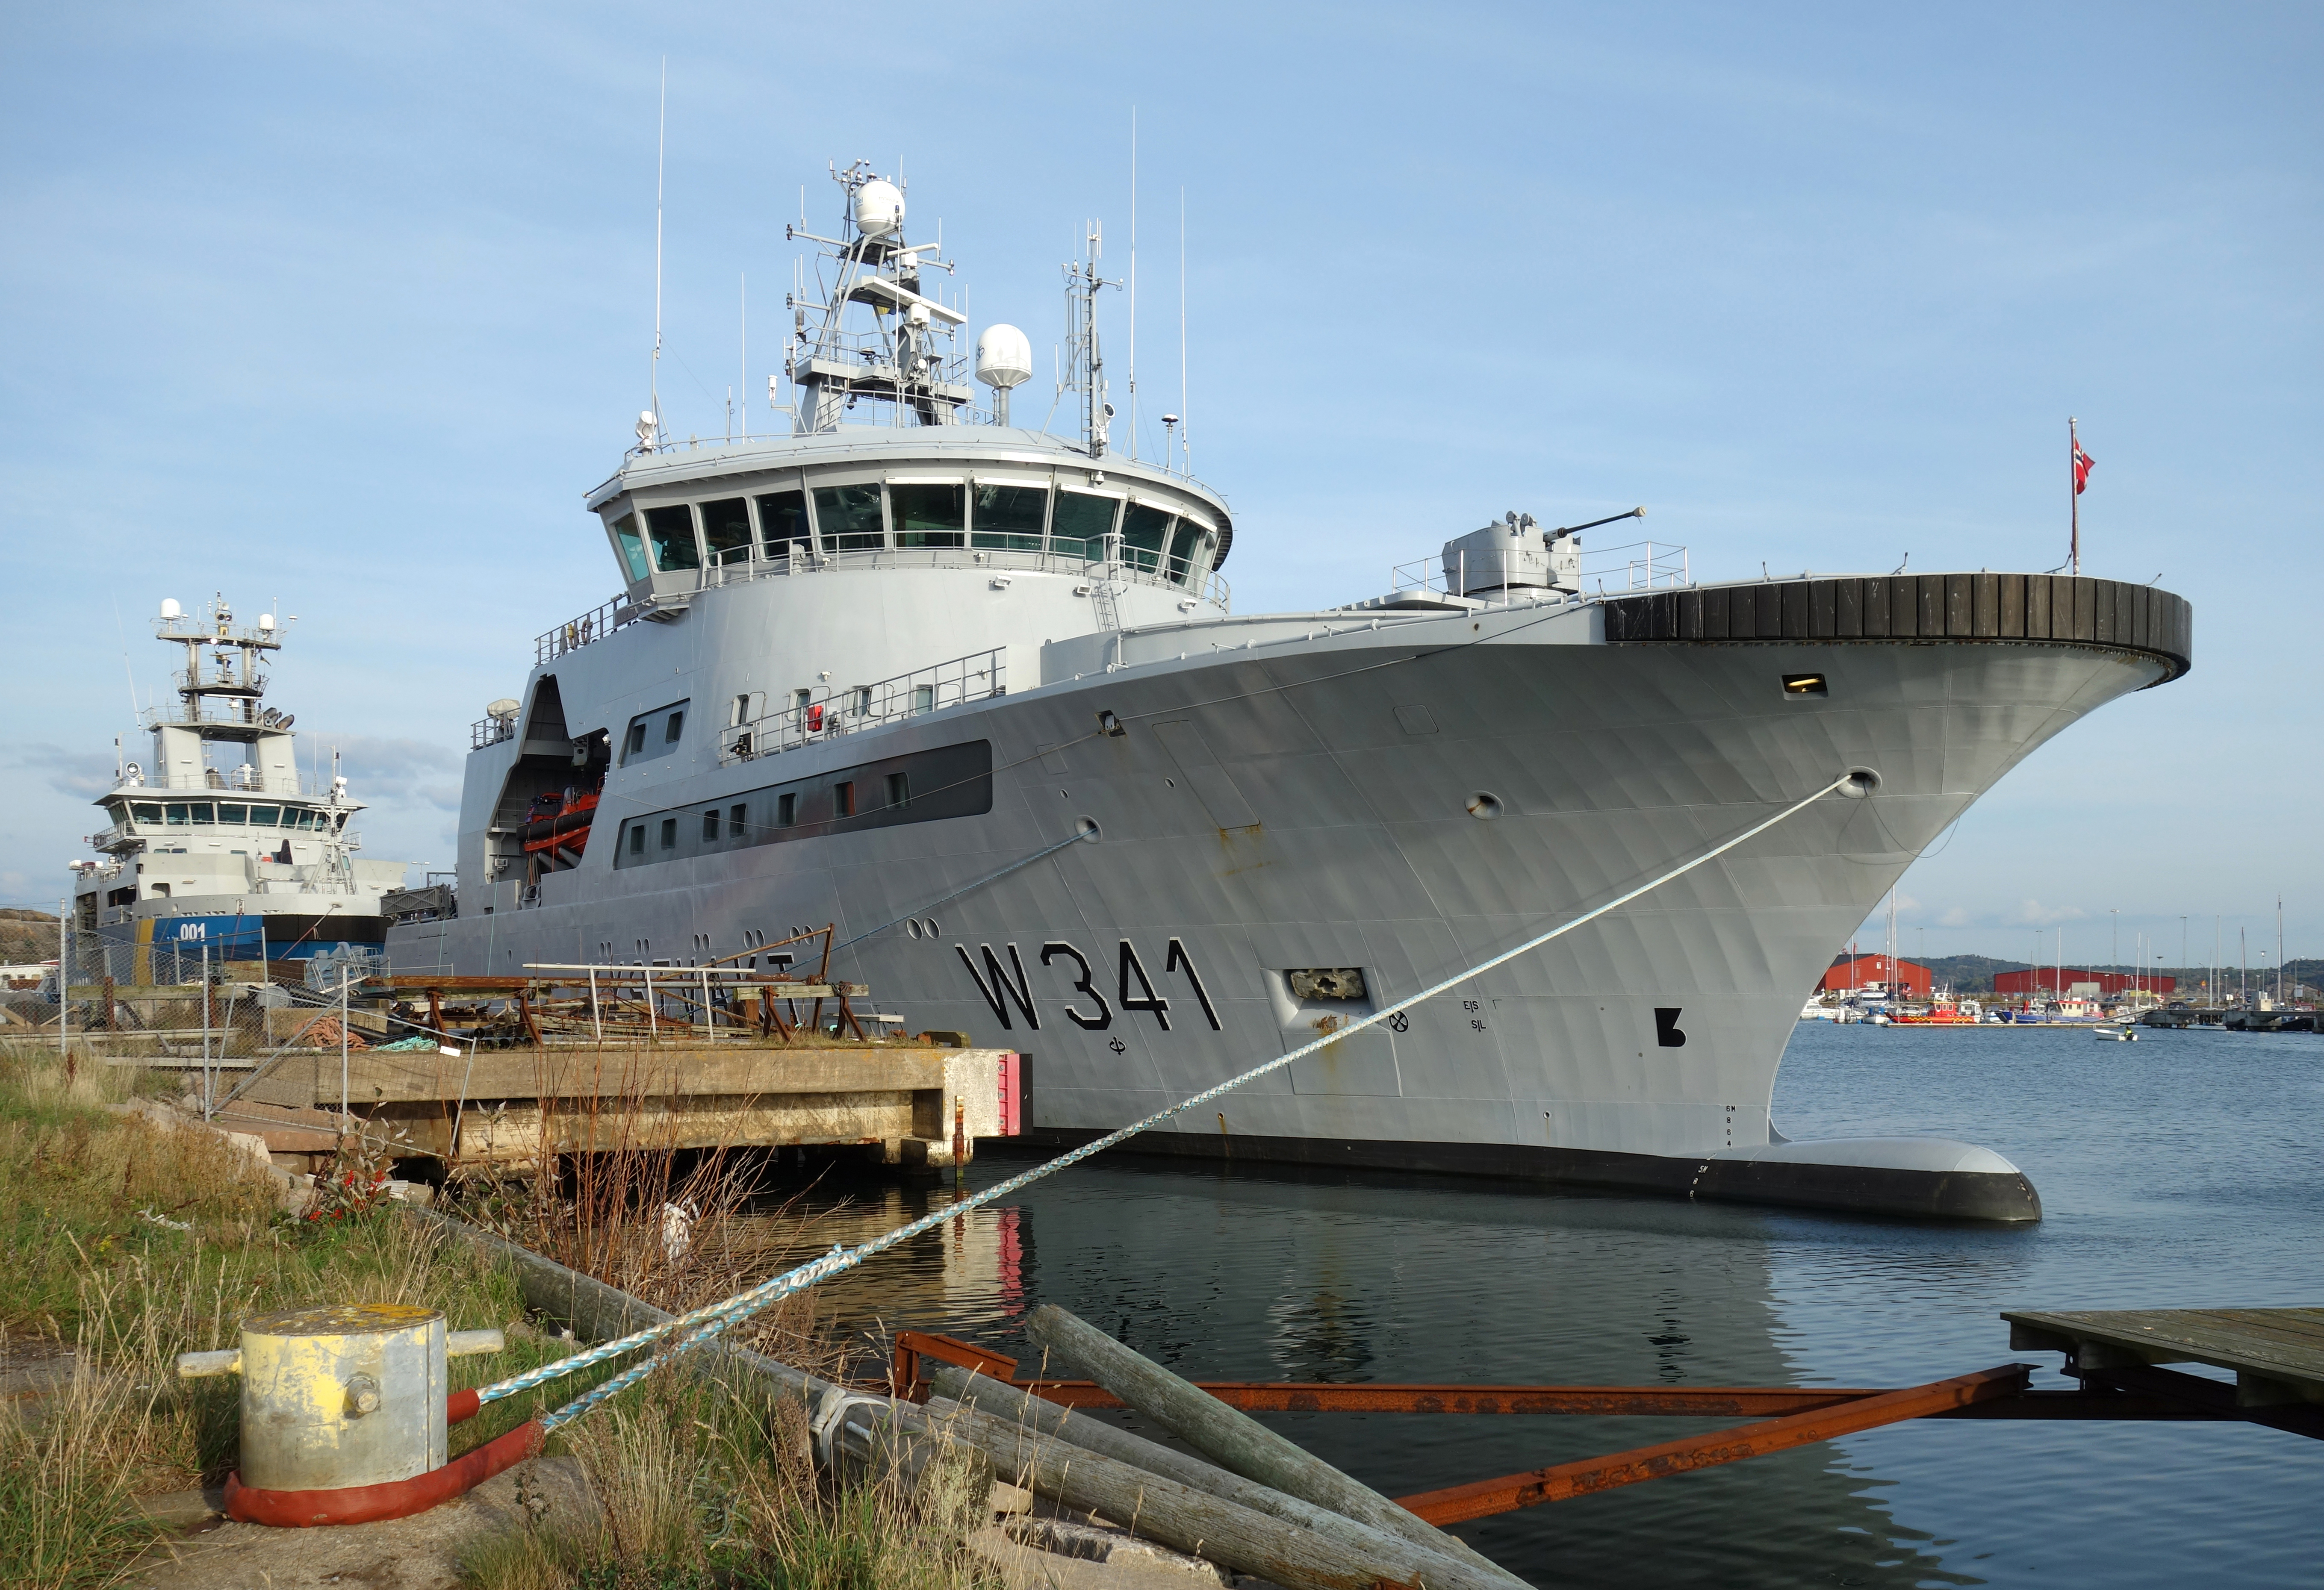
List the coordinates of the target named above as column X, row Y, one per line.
column 340, row 1395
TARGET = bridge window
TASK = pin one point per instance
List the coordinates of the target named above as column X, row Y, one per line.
column 1144, row 534
column 234, row 813
column 782, row 524
column 929, row 515
column 632, row 550
column 726, row 530
column 1185, row 550
column 146, row 813
column 178, row 813
column 850, row 518
column 267, row 816
column 1010, row 517
column 203, row 811
column 672, row 531
column 1082, row 525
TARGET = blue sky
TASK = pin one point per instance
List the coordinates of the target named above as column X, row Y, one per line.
column 346, row 307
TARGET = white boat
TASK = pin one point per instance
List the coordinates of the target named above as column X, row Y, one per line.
column 975, row 691
column 2118, row 1031
column 222, row 850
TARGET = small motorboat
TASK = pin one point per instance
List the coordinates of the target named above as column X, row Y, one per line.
column 2119, row 1032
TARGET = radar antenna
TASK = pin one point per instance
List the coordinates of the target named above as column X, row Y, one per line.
column 907, row 359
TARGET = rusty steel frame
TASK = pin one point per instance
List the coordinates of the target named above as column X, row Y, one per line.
column 1484, row 1498
column 1787, row 1416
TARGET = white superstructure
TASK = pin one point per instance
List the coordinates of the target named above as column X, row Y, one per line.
column 976, row 693
column 222, row 842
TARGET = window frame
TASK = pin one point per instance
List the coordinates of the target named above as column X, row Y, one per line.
column 653, row 549
column 829, row 541
column 727, row 556
column 1045, row 484
column 1113, row 525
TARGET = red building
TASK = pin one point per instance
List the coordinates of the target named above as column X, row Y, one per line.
column 1855, row 971
column 2050, row 980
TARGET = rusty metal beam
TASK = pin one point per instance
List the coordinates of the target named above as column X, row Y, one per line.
column 1484, row 1498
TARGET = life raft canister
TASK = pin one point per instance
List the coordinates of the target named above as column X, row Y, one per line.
column 814, row 719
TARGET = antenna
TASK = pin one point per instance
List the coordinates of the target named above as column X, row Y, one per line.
column 1188, row 466
column 1133, row 280
column 662, row 147
column 745, row 277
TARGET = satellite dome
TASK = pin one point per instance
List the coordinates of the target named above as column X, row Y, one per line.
column 266, row 622
column 879, row 208
column 1004, row 358
column 506, row 707
column 170, row 610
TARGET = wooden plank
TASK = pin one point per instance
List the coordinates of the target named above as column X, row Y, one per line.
column 2278, row 1344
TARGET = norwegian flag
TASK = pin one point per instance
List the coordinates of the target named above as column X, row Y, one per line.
column 2082, row 462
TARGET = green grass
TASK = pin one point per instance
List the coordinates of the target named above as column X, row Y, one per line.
column 696, row 1483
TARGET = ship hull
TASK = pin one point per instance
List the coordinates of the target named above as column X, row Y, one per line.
column 1403, row 804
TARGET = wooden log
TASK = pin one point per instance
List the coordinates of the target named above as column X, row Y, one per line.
column 1395, row 1556
column 1181, row 1517
column 1234, row 1440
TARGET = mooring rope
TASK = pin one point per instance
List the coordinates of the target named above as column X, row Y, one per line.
column 713, row 1317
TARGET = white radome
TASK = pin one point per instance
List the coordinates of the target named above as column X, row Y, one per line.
column 1004, row 357
column 170, row 610
column 879, row 208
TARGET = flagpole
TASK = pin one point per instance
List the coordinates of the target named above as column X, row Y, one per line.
column 2073, row 497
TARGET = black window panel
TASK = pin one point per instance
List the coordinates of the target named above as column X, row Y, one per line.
column 849, row 518
column 1185, row 548
column 1145, row 536
column 677, row 727
column 782, row 524
column 671, row 532
column 726, row 530
column 1012, row 518
column 1082, row 525
column 637, row 738
column 920, row 786
column 929, row 516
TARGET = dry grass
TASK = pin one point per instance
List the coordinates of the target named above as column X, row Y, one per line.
column 698, row 1485
column 129, row 1243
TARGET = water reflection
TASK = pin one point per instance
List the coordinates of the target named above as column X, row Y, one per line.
column 1257, row 1273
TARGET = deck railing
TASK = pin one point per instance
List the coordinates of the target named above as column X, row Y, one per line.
column 827, row 714
column 617, row 611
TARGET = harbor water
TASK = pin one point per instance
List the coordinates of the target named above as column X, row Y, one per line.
column 2180, row 1171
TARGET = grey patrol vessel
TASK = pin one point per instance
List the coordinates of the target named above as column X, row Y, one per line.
column 975, row 693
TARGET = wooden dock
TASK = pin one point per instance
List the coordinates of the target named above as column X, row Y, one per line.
column 2277, row 1355
column 506, row 1111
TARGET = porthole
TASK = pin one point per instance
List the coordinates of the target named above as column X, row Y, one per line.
column 912, row 928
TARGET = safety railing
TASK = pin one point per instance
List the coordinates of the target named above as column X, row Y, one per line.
column 486, row 732
column 1637, row 566
column 1640, row 566
column 827, row 713
column 608, row 616
column 230, row 713
column 212, row 780
column 598, row 622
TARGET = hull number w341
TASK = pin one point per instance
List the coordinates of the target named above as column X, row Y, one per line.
column 1089, row 1008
